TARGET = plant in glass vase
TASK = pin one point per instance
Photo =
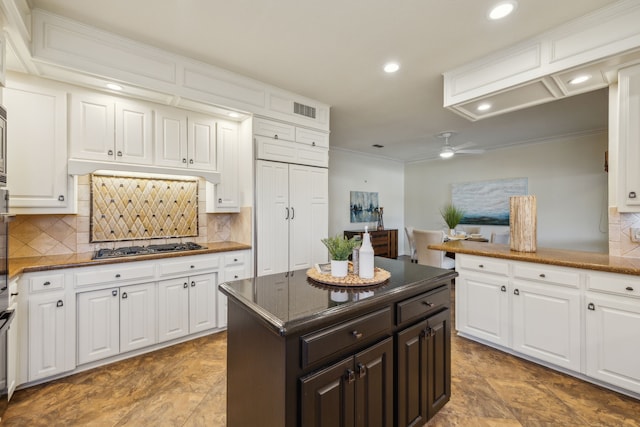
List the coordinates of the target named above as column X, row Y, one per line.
column 452, row 217
column 339, row 250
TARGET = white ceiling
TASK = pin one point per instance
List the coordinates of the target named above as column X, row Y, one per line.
column 334, row 50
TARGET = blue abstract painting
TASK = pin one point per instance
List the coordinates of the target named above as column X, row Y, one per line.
column 363, row 206
column 487, row 202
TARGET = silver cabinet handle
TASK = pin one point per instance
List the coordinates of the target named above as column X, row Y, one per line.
column 114, row 292
column 110, row 152
column 119, row 153
column 60, row 303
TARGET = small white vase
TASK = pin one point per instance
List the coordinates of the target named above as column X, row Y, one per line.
column 339, row 268
column 452, row 232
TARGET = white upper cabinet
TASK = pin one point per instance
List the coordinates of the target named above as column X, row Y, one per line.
column 225, row 196
column 184, row 139
column 106, row 128
column 282, row 142
column 629, row 139
column 275, row 130
column 37, row 146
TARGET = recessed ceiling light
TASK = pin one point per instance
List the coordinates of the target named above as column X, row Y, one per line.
column 234, row 115
column 391, row 67
column 484, row 106
column 113, row 86
column 502, row 9
column 579, row 79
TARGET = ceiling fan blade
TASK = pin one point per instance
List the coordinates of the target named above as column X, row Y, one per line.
column 469, row 151
column 465, row 145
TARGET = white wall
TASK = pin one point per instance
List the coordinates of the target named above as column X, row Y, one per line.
column 566, row 175
column 356, row 172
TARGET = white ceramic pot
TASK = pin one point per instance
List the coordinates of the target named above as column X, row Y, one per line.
column 339, row 268
column 452, row 232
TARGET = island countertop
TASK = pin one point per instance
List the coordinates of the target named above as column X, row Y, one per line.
column 560, row 257
column 290, row 303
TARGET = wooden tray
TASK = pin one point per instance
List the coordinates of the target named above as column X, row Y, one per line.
column 351, row 280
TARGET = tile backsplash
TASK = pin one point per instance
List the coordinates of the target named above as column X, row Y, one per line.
column 620, row 243
column 37, row 235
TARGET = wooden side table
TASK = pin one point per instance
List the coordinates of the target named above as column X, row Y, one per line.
column 384, row 242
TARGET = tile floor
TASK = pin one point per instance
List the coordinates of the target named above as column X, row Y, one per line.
column 185, row 386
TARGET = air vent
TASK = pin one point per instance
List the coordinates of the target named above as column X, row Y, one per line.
column 304, row 110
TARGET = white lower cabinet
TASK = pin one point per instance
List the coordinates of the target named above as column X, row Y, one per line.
column 186, row 306
column 138, row 319
column 48, row 329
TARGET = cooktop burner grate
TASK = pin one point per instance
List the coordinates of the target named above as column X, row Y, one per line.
column 145, row 250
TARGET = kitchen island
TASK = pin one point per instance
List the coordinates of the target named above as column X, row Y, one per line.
column 300, row 353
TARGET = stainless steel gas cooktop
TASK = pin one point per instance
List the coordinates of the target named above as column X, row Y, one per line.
column 145, row 250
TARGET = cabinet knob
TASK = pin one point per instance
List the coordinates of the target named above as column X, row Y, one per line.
column 114, row 292
column 61, row 198
column 357, row 335
column 60, row 303
column 47, row 283
column 591, row 306
column 236, row 260
column 480, row 265
column 428, row 304
column 124, row 295
column 516, row 292
column 503, row 288
column 185, row 285
column 632, row 194
column 629, row 288
column 110, row 152
column 235, row 277
column 275, row 136
column 542, row 275
column 190, row 161
column 313, row 144
column 193, row 284
column 192, row 266
column 184, row 160
column 119, row 154
column 118, row 276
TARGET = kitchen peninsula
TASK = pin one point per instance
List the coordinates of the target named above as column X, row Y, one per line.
column 576, row 312
column 303, row 353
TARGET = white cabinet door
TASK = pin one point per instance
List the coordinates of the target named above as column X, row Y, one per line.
column 98, row 324
column 482, row 307
column 273, row 213
column 613, row 340
column 308, row 222
column 47, row 335
column 546, row 323
column 629, row 139
column 227, row 193
column 202, row 302
column 173, row 309
column 138, row 318
column 38, row 131
column 170, row 137
column 92, row 127
column 201, row 142
column 133, row 133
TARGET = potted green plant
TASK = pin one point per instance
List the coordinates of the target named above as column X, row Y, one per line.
column 452, row 217
column 339, row 250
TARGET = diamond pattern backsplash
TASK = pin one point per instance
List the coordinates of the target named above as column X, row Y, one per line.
column 126, row 208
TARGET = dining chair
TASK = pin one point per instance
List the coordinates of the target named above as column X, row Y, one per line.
column 502, row 237
column 471, row 229
column 426, row 256
column 412, row 243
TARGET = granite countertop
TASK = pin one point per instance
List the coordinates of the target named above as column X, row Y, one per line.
column 290, row 303
column 53, row 262
column 560, row 257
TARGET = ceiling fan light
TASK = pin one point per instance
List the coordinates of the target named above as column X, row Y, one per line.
column 446, row 153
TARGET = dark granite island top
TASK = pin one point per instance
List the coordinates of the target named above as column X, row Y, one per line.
column 294, row 345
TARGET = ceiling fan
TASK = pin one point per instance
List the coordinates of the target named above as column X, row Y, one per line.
column 448, row 150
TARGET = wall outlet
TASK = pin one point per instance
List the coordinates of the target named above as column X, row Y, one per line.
column 635, row 234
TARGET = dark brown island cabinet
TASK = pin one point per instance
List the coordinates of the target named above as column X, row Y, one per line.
column 304, row 354
column 384, row 242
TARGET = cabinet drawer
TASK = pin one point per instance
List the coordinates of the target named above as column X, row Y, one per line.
column 324, row 343
column 190, row 265
column 46, row 282
column 482, row 264
column 617, row 284
column 120, row 273
column 234, row 259
column 274, row 130
column 546, row 274
column 312, row 137
column 422, row 305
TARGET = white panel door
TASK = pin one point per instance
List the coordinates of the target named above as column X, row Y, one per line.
column 546, row 323
column 47, row 335
column 98, row 324
column 92, row 127
column 173, row 309
column 138, row 318
column 201, row 142
column 272, row 210
column 133, row 133
column 202, row 302
column 37, row 151
column 613, row 340
column 170, row 138
column 482, row 307
column 308, row 223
